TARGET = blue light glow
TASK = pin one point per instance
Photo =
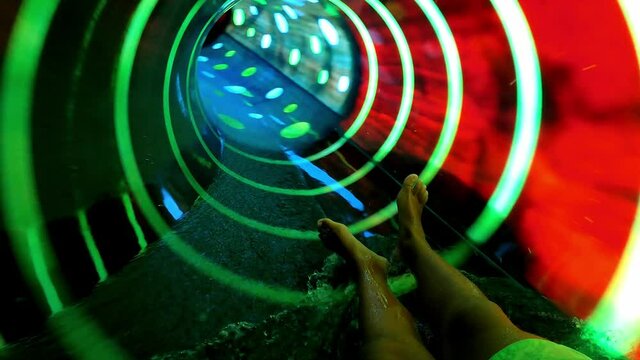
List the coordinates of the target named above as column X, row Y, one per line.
column 171, row 205
column 320, row 175
column 277, row 121
column 234, row 89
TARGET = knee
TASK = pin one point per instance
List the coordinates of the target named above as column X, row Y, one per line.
column 473, row 316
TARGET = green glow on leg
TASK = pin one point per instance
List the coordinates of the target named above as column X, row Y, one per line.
column 230, row 53
column 131, row 215
column 3, row 343
column 90, row 242
column 21, row 210
column 528, row 115
column 251, row 32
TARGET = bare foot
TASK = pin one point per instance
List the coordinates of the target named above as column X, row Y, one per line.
column 411, row 200
column 337, row 237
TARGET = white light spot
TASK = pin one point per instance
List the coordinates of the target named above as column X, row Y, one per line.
column 216, row 46
column 265, row 42
column 281, row 23
column 314, row 43
column 343, row 83
column 274, row 93
column 292, row 13
column 294, row 57
column 203, row 59
column 253, row 10
column 329, row 31
column 255, row 116
column 234, row 89
column 238, row 17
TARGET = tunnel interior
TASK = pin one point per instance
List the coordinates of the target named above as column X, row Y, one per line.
column 164, row 165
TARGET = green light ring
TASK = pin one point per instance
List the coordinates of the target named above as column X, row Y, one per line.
column 134, row 179
column 454, row 89
column 22, row 213
column 387, row 146
column 528, row 116
column 452, row 116
column 86, row 40
column 370, row 95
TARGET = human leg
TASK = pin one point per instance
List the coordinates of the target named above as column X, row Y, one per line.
column 388, row 328
column 470, row 325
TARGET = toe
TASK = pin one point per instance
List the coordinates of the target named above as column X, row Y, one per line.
column 410, row 181
column 337, row 228
column 423, row 195
column 417, row 187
